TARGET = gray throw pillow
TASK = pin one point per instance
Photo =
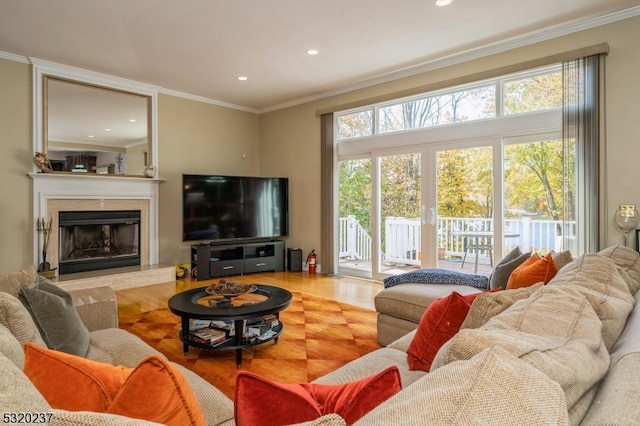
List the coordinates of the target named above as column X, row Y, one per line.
column 56, row 317
column 505, row 267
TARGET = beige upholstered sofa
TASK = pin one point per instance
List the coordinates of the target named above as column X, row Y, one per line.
column 564, row 353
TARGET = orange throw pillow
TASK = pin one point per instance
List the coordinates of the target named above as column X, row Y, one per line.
column 155, row 390
column 439, row 323
column 259, row 401
column 534, row 270
column 69, row 382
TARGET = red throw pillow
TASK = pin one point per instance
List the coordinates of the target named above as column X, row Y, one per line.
column 155, row 390
column 261, row 401
column 534, row 270
column 439, row 323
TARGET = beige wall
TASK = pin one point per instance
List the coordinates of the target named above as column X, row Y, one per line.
column 293, row 134
column 196, row 137
column 16, row 230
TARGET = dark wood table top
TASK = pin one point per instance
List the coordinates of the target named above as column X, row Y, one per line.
column 185, row 304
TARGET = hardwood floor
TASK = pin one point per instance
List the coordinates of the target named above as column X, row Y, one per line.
column 349, row 290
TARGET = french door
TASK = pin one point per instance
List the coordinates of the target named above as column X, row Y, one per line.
column 456, row 205
column 381, row 214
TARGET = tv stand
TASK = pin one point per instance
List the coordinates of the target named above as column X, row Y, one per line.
column 236, row 258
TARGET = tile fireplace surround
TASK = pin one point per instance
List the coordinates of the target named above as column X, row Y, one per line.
column 53, row 193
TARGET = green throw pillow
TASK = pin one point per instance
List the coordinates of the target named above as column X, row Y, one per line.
column 56, row 317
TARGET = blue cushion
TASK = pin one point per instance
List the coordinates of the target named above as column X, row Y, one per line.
column 438, row 276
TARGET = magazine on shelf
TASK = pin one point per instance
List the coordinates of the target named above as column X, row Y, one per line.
column 208, row 336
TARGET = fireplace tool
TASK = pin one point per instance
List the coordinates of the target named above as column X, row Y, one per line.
column 45, row 228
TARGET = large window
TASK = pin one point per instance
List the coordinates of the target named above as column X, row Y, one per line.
column 500, row 167
column 535, row 90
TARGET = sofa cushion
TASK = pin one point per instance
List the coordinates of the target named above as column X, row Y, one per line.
column 10, row 347
column 601, row 282
column 90, row 418
column 463, row 393
column 55, row 315
column 489, row 304
column 554, row 330
column 12, row 282
column 17, row 393
column 616, row 401
column 15, row 317
column 438, row 276
column 261, row 401
column 154, row 390
column 440, row 322
column 502, row 271
column 628, row 260
column 409, row 301
column 533, row 270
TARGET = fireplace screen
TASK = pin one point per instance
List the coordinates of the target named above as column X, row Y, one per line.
column 94, row 240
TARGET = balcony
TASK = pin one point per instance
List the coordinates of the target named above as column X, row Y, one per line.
column 401, row 251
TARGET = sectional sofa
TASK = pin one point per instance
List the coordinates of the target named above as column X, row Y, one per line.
column 563, row 353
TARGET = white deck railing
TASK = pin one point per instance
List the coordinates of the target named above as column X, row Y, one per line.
column 402, row 237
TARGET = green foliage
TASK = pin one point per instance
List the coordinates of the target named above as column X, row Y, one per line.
column 465, row 183
column 354, row 195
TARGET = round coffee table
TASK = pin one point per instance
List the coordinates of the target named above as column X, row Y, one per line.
column 198, row 304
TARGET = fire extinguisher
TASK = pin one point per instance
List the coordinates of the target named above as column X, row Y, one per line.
column 311, row 262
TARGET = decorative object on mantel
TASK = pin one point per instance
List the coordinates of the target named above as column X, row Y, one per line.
column 42, row 161
column 43, row 227
column 150, row 171
column 119, row 162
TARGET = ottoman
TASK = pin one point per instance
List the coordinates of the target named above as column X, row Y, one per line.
column 400, row 307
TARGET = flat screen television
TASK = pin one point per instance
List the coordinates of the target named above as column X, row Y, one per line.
column 218, row 208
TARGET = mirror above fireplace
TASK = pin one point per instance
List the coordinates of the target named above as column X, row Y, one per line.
column 90, row 123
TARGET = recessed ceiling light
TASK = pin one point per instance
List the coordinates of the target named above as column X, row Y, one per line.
column 91, row 136
column 107, row 130
column 243, row 78
column 312, row 52
column 443, row 2
column 132, row 120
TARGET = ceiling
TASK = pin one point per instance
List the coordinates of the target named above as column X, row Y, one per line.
column 199, row 47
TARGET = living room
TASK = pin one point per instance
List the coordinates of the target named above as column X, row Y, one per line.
column 286, row 142
column 203, row 136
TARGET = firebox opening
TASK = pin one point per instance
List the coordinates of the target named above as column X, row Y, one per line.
column 95, row 240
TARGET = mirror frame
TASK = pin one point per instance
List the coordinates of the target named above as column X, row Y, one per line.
column 44, row 69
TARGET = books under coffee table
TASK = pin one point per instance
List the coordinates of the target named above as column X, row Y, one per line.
column 246, row 320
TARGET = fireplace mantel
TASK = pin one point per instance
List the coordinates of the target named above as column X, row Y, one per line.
column 53, row 191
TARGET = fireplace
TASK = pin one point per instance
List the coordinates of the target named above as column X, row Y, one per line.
column 96, row 240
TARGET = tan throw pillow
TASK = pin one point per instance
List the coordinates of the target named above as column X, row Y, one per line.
column 15, row 317
column 600, row 281
column 628, row 260
column 460, row 394
column 487, row 305
column 562, row 259
column 556, row 331
column 12, row 282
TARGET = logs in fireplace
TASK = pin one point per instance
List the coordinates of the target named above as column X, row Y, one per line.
column 95, row 240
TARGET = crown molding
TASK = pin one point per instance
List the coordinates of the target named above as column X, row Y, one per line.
column 442, row 62
column 469, row 55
